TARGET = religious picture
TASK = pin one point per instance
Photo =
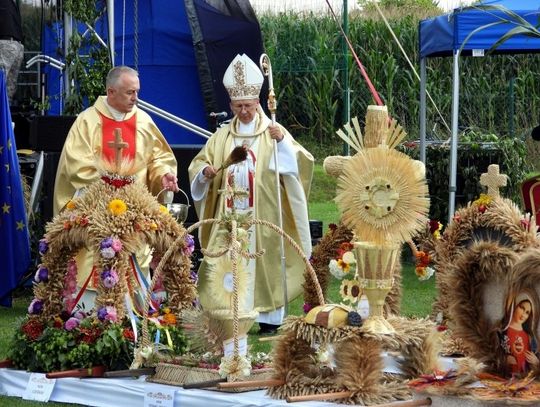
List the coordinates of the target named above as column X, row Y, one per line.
column 518, row 332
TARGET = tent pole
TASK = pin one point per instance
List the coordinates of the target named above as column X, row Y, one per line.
column 454, row 141
column 423, row 110
column 346, row 83
column 68, row 31
column 110, row 21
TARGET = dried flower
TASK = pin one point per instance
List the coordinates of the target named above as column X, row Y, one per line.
column 109, row 278
column 43, row 246
column 32, row 329
column 128, row 334
column 483, row 202
column 307, row 307
column 117, row 207
column 42, row 274
column 169, row 319
column 71, row 324
column 71, row 205
column 107, row 313
column 106, row 243
column 190, row 245
column 116, row 245
column 108, row 253
column 424, row 273
column 35, row 307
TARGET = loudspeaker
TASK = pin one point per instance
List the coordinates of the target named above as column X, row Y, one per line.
column 316, row 231
column 48, row 133
column 22, row 131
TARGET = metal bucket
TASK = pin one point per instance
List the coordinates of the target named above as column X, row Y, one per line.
column 178, row 211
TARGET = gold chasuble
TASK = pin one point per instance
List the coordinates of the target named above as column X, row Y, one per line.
column 259, row 178
column 87, row 143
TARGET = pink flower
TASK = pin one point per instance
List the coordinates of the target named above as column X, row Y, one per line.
column 116, row 245
column 107, row 313
column 111, row 314
column 71, row 324
column 80, row 315
column 72, row 267
column 154, row 262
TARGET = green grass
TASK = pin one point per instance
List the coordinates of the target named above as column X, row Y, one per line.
column 417, row 296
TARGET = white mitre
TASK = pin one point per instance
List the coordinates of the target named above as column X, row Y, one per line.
column 243, row 79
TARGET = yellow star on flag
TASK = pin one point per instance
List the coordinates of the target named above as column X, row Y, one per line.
column 5, row 208
column 20, row 225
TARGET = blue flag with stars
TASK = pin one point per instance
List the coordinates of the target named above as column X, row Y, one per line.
column 14, row 238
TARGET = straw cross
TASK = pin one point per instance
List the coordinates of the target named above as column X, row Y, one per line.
column 493, row 180
column 118, row 144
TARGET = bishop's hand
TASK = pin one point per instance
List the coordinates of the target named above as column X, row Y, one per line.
column 275, row 132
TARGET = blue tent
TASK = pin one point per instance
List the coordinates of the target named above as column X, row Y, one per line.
column 181, row 50
column 442, row 35
column 469, row 31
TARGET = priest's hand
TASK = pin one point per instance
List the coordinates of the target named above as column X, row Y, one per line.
column 275, row 132
column 209, row 172
column 170, row 182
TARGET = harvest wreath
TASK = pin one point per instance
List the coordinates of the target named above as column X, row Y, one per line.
column 113, row 219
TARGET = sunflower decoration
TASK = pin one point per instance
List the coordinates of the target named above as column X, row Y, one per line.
column 382, row 193
column 221, row 282
column 383, row 196
column 350, row 291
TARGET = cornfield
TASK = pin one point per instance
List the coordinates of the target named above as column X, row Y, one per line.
column 499, row 94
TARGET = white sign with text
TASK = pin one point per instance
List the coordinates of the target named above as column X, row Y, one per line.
column 39, row 388
column 158, row 396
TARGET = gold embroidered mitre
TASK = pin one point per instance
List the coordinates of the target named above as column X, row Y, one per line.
column 243, row 78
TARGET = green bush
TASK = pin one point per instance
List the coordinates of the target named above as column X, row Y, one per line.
column 476, row 151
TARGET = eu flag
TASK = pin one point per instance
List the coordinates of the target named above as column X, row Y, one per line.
column 14, row 239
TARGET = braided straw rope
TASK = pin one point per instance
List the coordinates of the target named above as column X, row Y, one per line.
column 145, row 337
column 235, row 250
column 298, row 250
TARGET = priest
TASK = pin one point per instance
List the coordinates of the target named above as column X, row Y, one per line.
column 252, row 129
column 91, row 139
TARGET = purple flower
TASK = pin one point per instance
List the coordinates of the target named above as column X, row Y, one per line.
column 190, row 241
column 102, row 313
column 194, row 276
column 71, row 324
column 109, row 278
column 42, row 274
column 105, row 243
column 307, row 307
column 108, row 253
column 35, row 307
column 190, row 245
column 43, row 246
